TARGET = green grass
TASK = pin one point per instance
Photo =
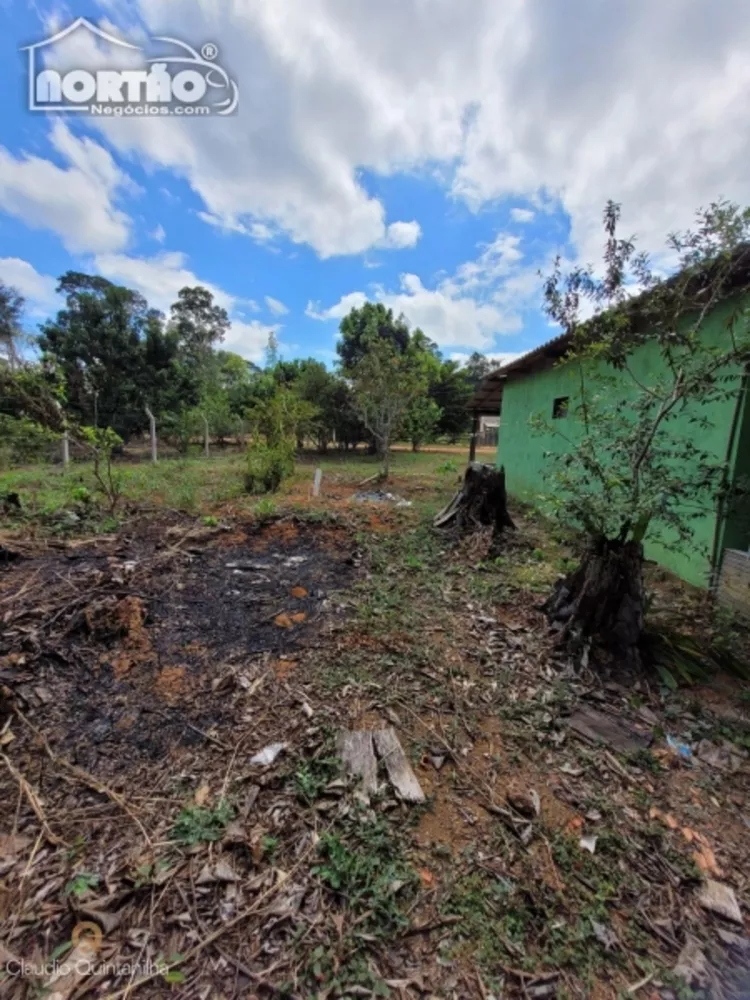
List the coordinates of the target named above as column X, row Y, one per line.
column 197, row 485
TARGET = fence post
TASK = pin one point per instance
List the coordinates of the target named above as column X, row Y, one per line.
column 152, row 428
column 206, row 442
column 474, row 435
column 65, row 449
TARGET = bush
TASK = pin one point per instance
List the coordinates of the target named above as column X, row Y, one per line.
column 23, row 441
column 268, row 466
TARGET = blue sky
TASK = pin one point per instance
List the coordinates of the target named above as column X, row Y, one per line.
column 428, row 154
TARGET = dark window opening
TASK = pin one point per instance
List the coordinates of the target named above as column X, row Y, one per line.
column 560, row 407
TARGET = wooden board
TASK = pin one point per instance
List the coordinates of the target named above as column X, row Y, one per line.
column 599, row 727
column 358, row 757
column 402, row 777
column 734, row 581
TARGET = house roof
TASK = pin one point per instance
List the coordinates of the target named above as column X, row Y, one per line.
column 489, row 393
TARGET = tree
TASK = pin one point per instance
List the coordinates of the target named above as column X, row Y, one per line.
column 421, row 421
column 630, row 472
column 477, row 368
column 200, row 324
column 96, row 343
column 385, row 382
column 11, row 311
column 451, row 390
column 365, row 326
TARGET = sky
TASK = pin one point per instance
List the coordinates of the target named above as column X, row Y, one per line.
column 434, row 155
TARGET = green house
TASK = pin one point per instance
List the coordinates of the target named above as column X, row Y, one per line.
column 543, row 384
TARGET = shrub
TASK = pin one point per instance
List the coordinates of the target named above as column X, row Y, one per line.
column 23, row 441
column 268, row 466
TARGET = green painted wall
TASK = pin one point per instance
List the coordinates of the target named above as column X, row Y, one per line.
column 522, row 448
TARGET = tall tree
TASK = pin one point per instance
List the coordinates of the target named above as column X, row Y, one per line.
column 11, row 311
column 451, row 390
column 476, row 368
column 199, row 322
column 385, row 382
column 365, row 326
column 96, row 342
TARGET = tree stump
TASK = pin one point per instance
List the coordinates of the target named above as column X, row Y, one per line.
column 481, row 502
column 602, row 601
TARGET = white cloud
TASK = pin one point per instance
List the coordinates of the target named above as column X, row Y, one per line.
column 249, row 339
column 39, row 290
column 160, row 279
column 522, row 215
column 158, row 234
column 354, row 300
column 402, row 235
column 484, row 299
column 275, row 306
column 74, row 201
column 648, row 105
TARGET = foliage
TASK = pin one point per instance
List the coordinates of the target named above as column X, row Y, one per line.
column 268, row 465
column 421, row 421
column 11, row 310
column 628, row 467
column 102, row 443
column 385, row 383
column 681, row 658
column 199, row 824
column 450, row 388
column 281, row 418
column 364, row 868
column 476, row 368
column 367, row 326
column 82, row 883
column 23, row 441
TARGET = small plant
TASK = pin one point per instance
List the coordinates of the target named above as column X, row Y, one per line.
column 268, row 466
column 209, row 521
column 447, row 467
column 197, row 825
column 364, row 867
column 311, row 779
column 265, row 508
column 81, row 883
column 102, row 443
column 166, row 968
column 81, row 494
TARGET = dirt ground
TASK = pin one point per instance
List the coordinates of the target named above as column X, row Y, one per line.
column 144, row 671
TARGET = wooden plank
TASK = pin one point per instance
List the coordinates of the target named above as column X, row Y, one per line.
column 402, row 777
column 358, row 757
column 734, row 581
column 599, row 727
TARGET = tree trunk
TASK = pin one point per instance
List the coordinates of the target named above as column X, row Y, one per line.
column 481, row 501
column 601, row 603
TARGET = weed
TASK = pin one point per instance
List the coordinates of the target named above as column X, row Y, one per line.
column 363, row 865
column 312, row 777
column 646, row 761
column 209, row 521
column 269, row 846
column 81, row 883
column 448, row 466
column 196, row 824
column 265, row 509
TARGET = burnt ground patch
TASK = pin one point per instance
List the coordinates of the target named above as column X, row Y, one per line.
column 126, row 649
